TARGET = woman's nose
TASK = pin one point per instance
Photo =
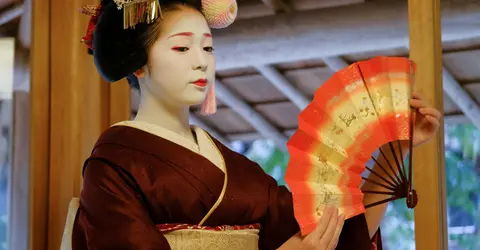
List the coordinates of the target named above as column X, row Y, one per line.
column 200, row 61
column 202, row 67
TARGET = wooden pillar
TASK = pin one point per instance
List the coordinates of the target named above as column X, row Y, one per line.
column 70, row 106
column 429, row 159
column 79, row 109
column 39, row 125
column 120, row 107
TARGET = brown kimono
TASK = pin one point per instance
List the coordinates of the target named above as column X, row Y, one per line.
column 140, row 176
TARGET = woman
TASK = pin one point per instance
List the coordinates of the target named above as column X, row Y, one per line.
column 159, row 183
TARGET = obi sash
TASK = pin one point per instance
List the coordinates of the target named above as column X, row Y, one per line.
column 186, row 237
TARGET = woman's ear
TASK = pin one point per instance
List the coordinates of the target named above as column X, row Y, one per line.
column 140, row 73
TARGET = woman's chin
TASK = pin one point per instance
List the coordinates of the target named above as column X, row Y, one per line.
column 193, row 101
column 192, row 97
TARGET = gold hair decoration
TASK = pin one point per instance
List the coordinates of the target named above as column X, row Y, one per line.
column 91, row 10
column 139, row 11
column 218, row 13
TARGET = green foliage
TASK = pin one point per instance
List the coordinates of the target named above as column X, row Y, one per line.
column 271, row 159
column 463, row 182
column 398, row 227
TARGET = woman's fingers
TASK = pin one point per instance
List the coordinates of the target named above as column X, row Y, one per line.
column 416, row 95
column 333, row 243
column 417, row 103
column 430, row 112
column 330, row 231
column 321, row 225
column 433, row 120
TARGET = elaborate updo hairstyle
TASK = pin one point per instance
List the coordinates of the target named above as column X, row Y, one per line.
column 121, row 32
column 118, row 52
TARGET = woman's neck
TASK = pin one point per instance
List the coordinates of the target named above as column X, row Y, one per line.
column 173, row 118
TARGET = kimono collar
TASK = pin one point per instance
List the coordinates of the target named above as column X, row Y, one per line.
column 205, row 147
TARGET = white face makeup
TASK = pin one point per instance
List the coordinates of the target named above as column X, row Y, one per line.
column 182, row 65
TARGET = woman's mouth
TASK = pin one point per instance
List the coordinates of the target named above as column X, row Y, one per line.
column 201, row 82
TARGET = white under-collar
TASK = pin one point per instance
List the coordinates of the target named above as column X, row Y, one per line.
column 205, row 147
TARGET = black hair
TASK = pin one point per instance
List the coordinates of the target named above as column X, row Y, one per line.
column 119, row 52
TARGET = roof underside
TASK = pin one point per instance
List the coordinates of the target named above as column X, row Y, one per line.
column 287, row 46
column 255, row 88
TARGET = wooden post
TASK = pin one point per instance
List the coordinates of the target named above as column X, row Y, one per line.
column 120, row 107
column 39, row 125
column 429, row 159
column 70, row 106
column 79, row 109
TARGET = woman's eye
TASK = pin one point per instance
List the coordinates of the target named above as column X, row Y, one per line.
column 180, row 49
column 209, row 49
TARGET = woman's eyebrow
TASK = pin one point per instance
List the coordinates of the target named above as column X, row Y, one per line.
column 182, row 34
column 189, row 34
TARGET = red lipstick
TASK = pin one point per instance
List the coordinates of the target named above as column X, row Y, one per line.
column 201, row 82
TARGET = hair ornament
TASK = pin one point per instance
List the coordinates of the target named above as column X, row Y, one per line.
column 94, row 11
column 219, row 13
column 139, row 11
column 91, row 10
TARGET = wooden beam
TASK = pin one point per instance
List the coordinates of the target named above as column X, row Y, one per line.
column 459, row 96
column 335, row 63
column 257, row 9
column 5, row 3
column 11, row 14
column 371, row 26
column 429, row 159
column 250, row 115
column 39, row 126
column 302, row 5
column 252, row 136
column 283, row 85
column 25, row 26
column 279, row 5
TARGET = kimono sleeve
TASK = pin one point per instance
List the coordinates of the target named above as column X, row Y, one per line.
column 355, row 233
column 279, row 223
column 112, row 212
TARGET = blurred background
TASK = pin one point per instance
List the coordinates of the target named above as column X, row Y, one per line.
column 293, row 47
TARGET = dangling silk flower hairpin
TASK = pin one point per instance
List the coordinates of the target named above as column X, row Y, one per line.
column 94, row 12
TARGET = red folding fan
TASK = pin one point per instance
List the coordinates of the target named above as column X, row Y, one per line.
column 358, row 110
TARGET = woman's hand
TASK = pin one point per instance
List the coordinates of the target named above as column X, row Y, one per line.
column 427, row 120
column 326, row 234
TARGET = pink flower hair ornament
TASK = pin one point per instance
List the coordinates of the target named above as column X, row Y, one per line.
column 219, row 13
